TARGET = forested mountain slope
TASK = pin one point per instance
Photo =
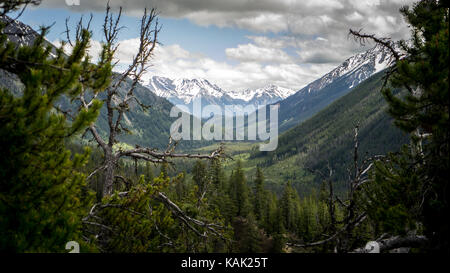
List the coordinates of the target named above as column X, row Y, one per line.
column 328, row 137
column 333, row 85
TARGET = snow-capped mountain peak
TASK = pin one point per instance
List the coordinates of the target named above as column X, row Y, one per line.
column 274, row 91
column 183, row 89
column 269, row 93
column 332, row 86
column 358, row 68
column 186, row 90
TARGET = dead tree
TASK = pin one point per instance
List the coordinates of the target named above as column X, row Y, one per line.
column 353, row 215
column 401, row 51
column 119, row 98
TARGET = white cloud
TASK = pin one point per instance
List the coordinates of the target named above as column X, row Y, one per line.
column 263, row 41
column 254, row 70
column 253, row 53
column 294, row 41
column 354, row 17
column 298, row 16
column 265, row 22
column 232, row 77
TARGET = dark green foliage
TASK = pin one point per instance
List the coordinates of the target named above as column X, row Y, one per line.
column 414, row 184
column 271, row 223
column 247, row 236
column 42, row 195
column 394, row 200
column 289, row 205
column 140, row 222
column 239, row 191
column 45, row 202
column 200, row 177
column 259, row 196
column 128, row 224
column 217, row 175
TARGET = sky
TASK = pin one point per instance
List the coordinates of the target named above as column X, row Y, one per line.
column 236, row 44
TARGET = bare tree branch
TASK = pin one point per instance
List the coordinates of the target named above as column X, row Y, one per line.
column 363, row 38
column 8, row 6
column 385, row 43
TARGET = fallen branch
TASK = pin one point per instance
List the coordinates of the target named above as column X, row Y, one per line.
column 398, row 242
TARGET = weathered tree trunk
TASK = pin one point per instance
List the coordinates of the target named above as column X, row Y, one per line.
column 109, row 173
column 396, row 242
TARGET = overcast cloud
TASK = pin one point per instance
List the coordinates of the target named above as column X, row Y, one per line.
column 308, row 37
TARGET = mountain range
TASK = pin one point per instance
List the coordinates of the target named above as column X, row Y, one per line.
column 295, row 106
column 152, row 128
column 325, row 140
column 185, row 91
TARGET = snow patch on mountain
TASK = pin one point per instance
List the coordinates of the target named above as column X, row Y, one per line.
column 357, row 68
column 268, row 92
column 186, row 90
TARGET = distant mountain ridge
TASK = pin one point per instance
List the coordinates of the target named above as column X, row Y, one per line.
column 295, row 106
column 270, row 92
column 185, row 91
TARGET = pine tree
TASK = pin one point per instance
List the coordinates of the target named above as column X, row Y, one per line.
column 217, row 175
column 164, row 170
column 289, row 204
column 278, row 233
column 239, row 191
column 270, row 213
column 148, row 172
column 200, row 177
column 413, row 187
column 181, row 188
column 259, row 198
column 42, row 195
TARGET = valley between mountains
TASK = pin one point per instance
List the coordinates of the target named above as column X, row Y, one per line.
column 316, row 122
column 220, row 138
